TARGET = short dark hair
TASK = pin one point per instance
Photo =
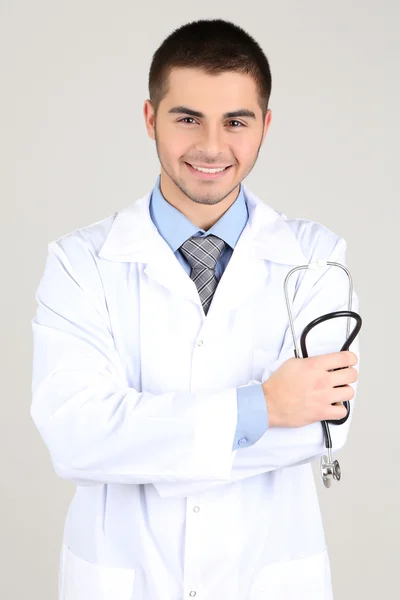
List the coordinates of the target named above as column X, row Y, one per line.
column 215, row 46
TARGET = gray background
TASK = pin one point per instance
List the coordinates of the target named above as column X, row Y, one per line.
column 73, row 84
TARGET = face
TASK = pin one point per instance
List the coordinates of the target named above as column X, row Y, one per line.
column 206, row 121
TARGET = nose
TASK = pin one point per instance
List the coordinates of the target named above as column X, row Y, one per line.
column 210, row 142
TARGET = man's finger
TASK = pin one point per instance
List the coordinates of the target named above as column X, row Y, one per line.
column 336, row 360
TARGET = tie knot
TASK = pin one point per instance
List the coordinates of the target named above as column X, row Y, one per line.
column 203, row 252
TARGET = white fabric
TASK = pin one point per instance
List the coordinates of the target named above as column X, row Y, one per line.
column 134, row 394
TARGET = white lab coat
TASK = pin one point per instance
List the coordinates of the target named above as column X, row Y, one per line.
column 134, row 394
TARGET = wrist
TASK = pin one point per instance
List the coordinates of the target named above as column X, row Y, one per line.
column 271, row 409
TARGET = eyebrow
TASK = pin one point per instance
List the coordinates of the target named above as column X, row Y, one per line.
column 242, row 112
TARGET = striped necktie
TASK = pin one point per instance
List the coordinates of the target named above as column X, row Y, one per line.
column 203, row 253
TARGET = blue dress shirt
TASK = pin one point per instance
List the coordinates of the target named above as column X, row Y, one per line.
column 175, row 228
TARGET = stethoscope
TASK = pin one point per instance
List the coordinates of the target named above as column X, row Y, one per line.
column 329, row 468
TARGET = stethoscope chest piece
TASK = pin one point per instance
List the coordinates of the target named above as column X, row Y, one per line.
column 329, row 471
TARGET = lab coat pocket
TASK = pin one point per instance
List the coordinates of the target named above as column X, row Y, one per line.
column 302, row 579
column 263, row 358
column 83, row 580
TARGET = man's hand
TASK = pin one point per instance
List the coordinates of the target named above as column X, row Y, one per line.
column 305, row 390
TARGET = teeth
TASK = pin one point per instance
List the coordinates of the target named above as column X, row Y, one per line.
column 208, row 170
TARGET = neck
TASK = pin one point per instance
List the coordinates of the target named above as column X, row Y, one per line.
column 204, row 216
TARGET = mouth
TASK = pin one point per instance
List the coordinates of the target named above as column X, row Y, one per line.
column 206, row 175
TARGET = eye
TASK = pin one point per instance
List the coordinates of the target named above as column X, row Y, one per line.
column 185, row 119
column 239, row 122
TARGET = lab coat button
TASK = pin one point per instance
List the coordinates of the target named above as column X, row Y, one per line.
column 192, row 594
column 196, row 508
column 242, row 441
column 200, row 343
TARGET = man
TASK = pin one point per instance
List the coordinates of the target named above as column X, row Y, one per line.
column 164, row 382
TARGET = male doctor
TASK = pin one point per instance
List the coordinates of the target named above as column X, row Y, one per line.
column 164, row 381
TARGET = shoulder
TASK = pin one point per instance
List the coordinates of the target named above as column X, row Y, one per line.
column 88, row 239
column 317, row 241
column 314, row 240
column 72, row 260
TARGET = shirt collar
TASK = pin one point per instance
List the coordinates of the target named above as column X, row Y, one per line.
column 175, row 228
column 133, row 237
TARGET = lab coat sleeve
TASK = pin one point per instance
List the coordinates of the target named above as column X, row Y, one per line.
column 97, row 428
column 322, row 291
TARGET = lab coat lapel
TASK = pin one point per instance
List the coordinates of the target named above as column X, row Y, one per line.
column 133, row 237
column 266, row 237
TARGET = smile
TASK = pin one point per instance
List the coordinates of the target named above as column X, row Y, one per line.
column 205, row 173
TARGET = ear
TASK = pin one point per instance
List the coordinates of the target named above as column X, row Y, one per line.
column 149, row 117
column 267, row 122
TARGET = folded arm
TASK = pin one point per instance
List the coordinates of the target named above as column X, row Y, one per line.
column 97, row 428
